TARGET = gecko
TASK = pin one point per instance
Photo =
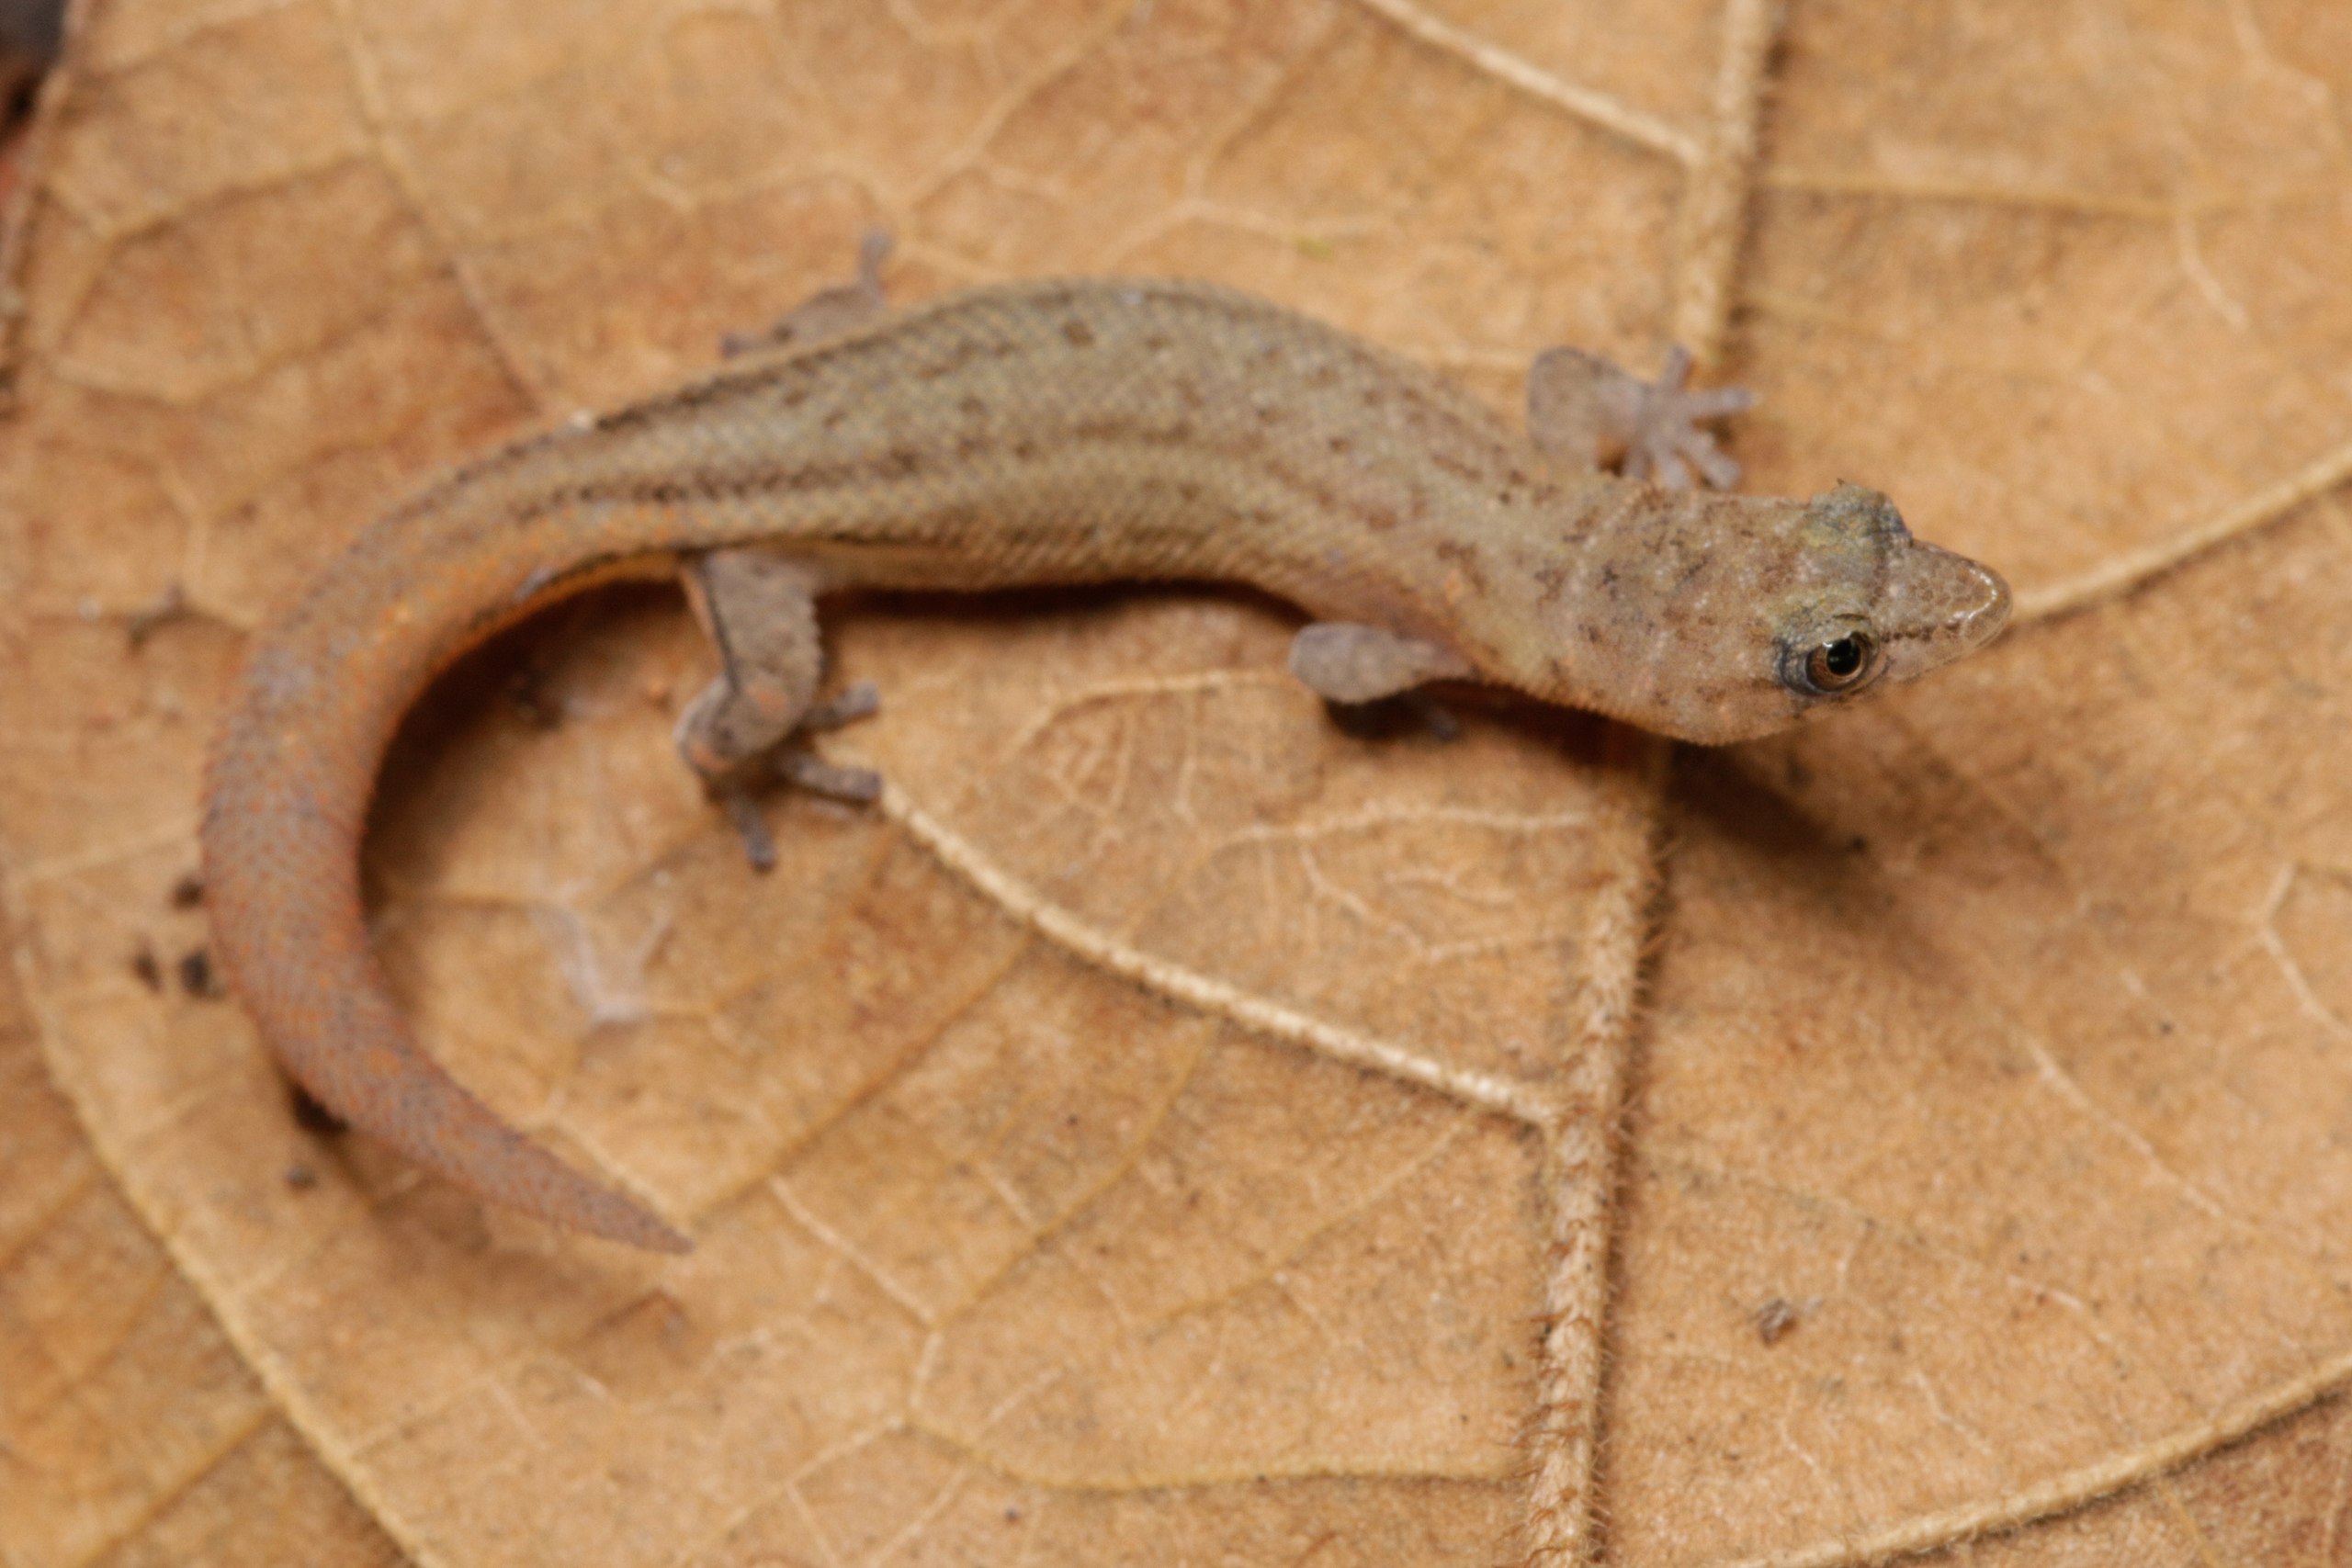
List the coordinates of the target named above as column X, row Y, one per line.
column 1057, row 432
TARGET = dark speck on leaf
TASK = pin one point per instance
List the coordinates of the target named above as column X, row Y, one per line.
column 1774, row 1320
column 197, row 978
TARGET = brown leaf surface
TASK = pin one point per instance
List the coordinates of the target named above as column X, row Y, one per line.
column 1163, row 1133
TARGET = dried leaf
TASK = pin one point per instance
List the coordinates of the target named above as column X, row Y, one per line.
column 1173, row 1128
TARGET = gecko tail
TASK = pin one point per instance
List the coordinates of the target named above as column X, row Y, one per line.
column 418, row 1109
column 281, row 851
column 467, row 1141
column 365, row 1067
column 373, row 1076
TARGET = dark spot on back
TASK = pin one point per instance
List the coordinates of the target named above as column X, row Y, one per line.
column 1464, row 559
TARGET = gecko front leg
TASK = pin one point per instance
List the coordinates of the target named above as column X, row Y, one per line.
column 1585, row 412
column 1357, row 670
column 1343, row 663
column 760, row 609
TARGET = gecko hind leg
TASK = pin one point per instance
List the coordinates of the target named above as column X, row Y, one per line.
column 1584, row 412
column 760, row 609
column 829, row 312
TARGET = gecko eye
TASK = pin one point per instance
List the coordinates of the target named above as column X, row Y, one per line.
column 1829, row 669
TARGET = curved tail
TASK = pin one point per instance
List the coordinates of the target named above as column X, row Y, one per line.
column 287, row 796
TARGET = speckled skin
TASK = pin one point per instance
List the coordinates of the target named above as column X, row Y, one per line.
column 1043, row 432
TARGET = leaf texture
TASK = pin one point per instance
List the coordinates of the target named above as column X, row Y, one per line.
column 1172, row 1128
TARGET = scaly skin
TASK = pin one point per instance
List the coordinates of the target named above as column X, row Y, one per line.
column 1044, row 433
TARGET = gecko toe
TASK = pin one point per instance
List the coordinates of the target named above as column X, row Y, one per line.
column 1667, row 444
column 861, row 699
column 806, row 770
column 743, row 815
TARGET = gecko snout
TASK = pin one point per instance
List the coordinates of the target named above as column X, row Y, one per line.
column 1980, row 602
column 1943, row 605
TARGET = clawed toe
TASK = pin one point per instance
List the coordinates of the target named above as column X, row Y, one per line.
column 801, row 769
column 861, row 699
column 806, row 770
column 743, row 815
column 1665, row 443
column 1715, row 403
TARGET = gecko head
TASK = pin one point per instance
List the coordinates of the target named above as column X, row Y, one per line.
column 1871, row 606
column 1736, row 617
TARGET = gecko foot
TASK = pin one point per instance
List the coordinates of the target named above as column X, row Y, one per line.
column 1663, row 440
column 1584, row 412
column 733, row 789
